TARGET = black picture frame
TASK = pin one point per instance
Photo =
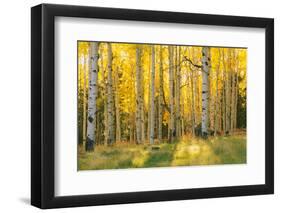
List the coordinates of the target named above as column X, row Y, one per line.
column 43, row 102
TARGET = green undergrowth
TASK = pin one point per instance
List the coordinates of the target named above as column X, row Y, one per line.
column 185, row 152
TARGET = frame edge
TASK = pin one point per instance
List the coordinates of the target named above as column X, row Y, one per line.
column 36, row 85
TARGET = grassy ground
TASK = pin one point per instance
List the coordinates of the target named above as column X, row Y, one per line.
column 186, row 152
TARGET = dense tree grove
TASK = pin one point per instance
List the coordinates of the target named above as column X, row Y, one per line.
column 143, row 93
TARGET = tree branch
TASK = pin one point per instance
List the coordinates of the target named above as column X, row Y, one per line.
column 191, row 62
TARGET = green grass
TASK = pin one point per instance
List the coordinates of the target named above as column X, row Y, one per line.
column 185, row 152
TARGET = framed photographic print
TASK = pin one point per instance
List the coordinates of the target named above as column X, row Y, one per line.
column 139, row 106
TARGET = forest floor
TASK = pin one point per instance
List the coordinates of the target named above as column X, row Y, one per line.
column 185, row 152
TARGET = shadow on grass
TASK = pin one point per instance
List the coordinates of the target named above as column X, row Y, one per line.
column 160, row 157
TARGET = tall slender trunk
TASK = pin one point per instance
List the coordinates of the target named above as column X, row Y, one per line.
column 182, row 120
column 171, row 93
column 105, row 112
column 142, row 115
column 232, row 95
column 188, row 98
column 225, row 96
column 142, row 102
column 117, row 105
column 148, row 113
column 199, row 102
column 193, row 122
column 93, row 92
column 223, row 107
column 236, row 91
column 98, row 127
column 138, row 96
column 228, row 104
column 132, row 127
column 205, row 90
column 192, row 104
column 235, row 109
column 217, row 98
column 211, row 100
column 178, row 83
column 85, row 65
column 110, row 96
column 152, row 85
column 160, row 100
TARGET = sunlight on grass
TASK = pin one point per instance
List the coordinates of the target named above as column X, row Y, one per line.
column 194, row 152
column 186, row 152
column 139, row 158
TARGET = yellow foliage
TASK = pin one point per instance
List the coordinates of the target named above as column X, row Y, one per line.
column 223, row 62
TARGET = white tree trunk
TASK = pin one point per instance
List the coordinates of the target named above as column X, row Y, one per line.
column 148, row 111
column 142, row 101
column 152, row 84
column 171, row 94
column 205, row 90
column 192, row 104
column 178, row 83
column 235, row 90
column 93, row 92
column 160, row 100
column 110, row 96
column 138, row 96
column 105, row 114
column 85, row 65
column 117, row 107
column 227, row 92
column 142, row 115
column 217, row 115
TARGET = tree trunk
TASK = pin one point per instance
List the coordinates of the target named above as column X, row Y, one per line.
column 105, row 113
column 192, row 104
column 182, row 120
column 222, row 99
column 142, row 102
column 232, row 96
column 93, row 92
column 117, row 106
column 225, row 96
column 110, row 96
column 138, row 96
column 85, row 65
column 148, row 113
column 171, row 94
column 205, row 90
column 217, row 98
column 236, row 91
column 178, row 84
column 228, row 94
column 160, row 99
column 131, row 131
column 152, row 85
column 193, row 122
column 142, row 114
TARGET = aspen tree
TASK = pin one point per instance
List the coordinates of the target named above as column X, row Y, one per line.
column 110, row 96
column 85, row 65
column 105, row 113
column 205, row 90
column 192, row 96
column 171, row 94
column 152, row 88
column 138, row 96
column 178, row 94
column 160, row 100
column 117, row 105
column 92, row 99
